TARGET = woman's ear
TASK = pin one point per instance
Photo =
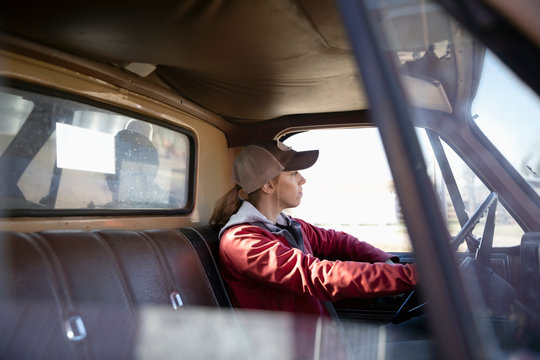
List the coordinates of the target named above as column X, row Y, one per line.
column 271, row 185
column 268, row 188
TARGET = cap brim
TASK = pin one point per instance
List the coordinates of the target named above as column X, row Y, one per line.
column 302, row 160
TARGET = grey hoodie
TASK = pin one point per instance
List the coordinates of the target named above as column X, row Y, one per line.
column 248, row 214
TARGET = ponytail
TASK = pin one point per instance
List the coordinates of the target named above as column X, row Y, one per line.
column 226, row 206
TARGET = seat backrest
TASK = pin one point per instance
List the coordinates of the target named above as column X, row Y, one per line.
column 76, row 294
column 205, row 239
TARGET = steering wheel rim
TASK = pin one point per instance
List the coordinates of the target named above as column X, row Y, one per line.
column 407, row 309
column 469, row 226
column 483, row 252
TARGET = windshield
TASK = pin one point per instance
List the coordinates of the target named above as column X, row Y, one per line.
column 508, row 112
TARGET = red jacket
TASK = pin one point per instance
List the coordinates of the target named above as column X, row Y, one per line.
column 262, row 271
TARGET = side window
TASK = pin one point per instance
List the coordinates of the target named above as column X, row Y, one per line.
column 350, row 187
column 61, row 154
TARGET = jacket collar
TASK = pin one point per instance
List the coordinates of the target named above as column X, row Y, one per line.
column 248, row 214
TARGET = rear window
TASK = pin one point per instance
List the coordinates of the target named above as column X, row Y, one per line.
column 58, row 154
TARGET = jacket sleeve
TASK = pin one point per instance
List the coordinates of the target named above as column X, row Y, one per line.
column 340, row 245
column 251, row 253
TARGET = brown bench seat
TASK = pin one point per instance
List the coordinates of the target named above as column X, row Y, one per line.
column 76, row 294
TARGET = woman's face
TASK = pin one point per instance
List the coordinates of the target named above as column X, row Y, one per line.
column 289, row 189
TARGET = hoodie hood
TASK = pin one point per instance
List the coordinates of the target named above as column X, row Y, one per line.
column 248, row 214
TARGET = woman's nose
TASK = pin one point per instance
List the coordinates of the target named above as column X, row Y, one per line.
column 302, row 179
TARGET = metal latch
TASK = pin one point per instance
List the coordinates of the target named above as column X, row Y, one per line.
column 75, row 330
column 176, row 300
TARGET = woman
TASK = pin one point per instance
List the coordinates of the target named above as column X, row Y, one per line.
column 271, row 261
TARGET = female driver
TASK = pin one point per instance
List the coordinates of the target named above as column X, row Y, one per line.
column 271, row 261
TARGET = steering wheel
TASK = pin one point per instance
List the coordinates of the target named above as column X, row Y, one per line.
column 411, row 306
column 483, row 252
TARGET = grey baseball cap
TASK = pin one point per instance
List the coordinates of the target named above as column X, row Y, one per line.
column 259, row 163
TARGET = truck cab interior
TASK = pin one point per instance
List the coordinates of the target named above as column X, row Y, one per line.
column 120, row 122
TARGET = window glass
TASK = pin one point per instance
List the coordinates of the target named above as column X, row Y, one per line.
column 350, row 187
column 15, row 110
column 446, row 73
column 472, row 191
column 60, row 154
column 507, row 111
